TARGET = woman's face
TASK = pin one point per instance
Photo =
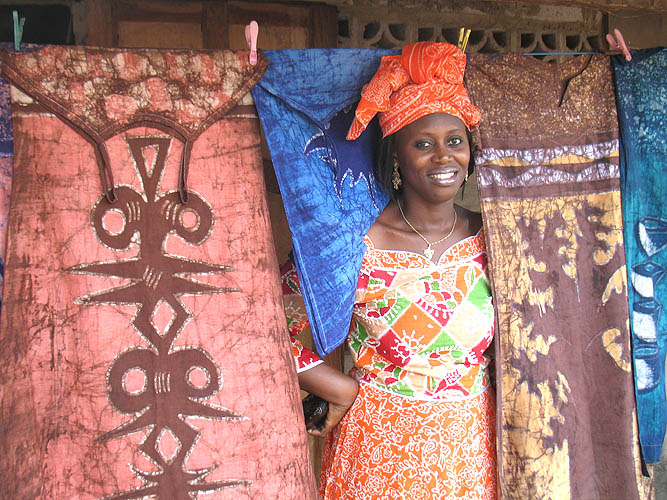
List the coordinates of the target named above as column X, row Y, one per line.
column 433, row 155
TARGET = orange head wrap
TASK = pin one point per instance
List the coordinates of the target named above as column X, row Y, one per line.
column 426, row 78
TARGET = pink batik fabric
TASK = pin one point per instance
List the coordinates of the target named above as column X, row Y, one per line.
column 146, row 348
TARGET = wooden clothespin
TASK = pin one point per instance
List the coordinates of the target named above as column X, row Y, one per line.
column 464, row 34
column 616, row 42
column 18, row 29
column 251, row 32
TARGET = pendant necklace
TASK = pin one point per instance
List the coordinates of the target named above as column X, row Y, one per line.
column 428, row 251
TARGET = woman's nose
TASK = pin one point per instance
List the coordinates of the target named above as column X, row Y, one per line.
column 442, row 152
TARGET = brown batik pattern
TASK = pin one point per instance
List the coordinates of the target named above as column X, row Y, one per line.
column 549, row 189
column 104, row 90
column 101, row 92
column 168, row 396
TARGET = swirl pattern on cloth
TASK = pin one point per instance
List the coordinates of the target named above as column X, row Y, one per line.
column 389, row 446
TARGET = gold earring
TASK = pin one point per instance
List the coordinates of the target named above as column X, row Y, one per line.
column 466, row 177
column 396, row 176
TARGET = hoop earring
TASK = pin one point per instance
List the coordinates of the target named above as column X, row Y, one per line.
column 396, row 176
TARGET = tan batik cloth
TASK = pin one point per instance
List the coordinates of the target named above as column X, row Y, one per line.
column 549, row 185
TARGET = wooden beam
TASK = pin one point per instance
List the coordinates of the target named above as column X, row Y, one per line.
column 603, row 5
column 156, row 12
column 323, row 24
column 271, row 14
column 215, row 25
column 102, row 23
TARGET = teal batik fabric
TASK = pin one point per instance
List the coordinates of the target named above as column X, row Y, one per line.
column 641, row 94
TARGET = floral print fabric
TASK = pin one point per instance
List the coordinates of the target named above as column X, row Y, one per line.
column 297, row 320
column 419, row 329
column 391, row 447
column 427, row 77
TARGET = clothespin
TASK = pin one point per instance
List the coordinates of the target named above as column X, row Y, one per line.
column 616, row 42
column 18, row 29
column 251, row 32
column 464, row 34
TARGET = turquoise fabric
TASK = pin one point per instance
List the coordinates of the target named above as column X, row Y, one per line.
column 641, row 95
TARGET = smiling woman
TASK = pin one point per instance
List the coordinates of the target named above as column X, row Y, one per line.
column 430, row 161
column 416, row 417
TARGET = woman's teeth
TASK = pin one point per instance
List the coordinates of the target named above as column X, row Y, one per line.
column 443, row 177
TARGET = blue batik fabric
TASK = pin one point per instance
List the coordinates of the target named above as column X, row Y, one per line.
column 641, row 95
column 306, row 102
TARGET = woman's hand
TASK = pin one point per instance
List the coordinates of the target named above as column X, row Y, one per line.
column 338, row 389
column 334, row 415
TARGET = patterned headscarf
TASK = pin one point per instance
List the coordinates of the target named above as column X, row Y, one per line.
column 426, row 78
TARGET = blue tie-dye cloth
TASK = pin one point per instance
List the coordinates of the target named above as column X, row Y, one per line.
column 306, row 102
column 641, row 95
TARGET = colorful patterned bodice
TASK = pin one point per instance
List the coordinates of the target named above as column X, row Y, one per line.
column 419, row 328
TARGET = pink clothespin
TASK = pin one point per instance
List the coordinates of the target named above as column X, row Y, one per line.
column 616, row 42
column 251, row 32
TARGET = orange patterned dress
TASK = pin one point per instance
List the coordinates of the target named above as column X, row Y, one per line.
column 423, row 424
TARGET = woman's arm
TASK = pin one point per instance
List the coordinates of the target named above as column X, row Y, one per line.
column 338, row 389
column 315, row 377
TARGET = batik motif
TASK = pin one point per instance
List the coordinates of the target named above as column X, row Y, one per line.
column 422, row 425
column 641, row 96
column 420, row 329
column 297, row 319
column 549, row 188
column 135, row 284
column 426, row 78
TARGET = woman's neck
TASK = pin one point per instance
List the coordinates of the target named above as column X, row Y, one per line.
column 434, row 218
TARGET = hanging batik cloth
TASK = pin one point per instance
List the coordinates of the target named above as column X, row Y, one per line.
column 641, row 97
column 548, row 179
column 146, row 347
column 306, row 102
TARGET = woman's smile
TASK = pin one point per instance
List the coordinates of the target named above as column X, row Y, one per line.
column 444, row 177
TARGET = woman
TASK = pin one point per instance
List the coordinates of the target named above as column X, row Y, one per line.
column 416, row 418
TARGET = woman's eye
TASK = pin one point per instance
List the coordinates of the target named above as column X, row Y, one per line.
column 455, row 141
column 422, row 144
